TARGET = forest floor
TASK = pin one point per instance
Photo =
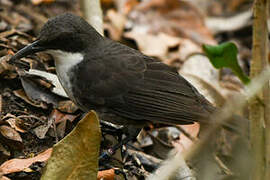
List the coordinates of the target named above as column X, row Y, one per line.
column 34, row 117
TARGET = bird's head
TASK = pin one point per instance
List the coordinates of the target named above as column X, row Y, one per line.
column 65, row 33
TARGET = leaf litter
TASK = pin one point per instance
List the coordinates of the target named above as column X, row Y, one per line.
column 171, row 31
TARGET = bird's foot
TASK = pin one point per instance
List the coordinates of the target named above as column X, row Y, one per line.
column 108, row 153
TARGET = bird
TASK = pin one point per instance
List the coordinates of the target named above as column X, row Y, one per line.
column 123, row 85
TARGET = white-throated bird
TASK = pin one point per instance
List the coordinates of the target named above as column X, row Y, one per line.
column 121, row 84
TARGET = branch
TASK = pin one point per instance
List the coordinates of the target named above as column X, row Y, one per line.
column 259, row 115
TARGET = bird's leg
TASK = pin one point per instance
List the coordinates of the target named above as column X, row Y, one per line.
column 132, row 133
column 111, row 128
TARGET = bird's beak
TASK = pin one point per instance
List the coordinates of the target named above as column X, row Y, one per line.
column 29, row 49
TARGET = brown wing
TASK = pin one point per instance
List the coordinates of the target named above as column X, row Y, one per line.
column 165, row 97
column 138, row 87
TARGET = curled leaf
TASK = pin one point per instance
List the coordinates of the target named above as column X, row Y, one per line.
column 17, row 165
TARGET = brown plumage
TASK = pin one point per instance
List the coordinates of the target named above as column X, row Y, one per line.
column 120, row 83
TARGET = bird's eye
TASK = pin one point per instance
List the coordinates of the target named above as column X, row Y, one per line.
column 65, row 42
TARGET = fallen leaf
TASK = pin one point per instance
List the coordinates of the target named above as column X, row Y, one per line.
column 220, row 24
column 106, row 174
column 41, row 130
column 231, row 82
column 76, row 156
column 4, row 178
column 14, row 121
column 13, row 124
column 37, row 93
column 37, row 2
column 60, row 117
column 118, row 21
column 7, row 33
column 129, row 5
column 187, row 47
column 184, row 143
column 172, row 17
column 17, row 165
column 11, row 137
column 4, row 154
column 21, row 94
column 61, row 129
column 153, row 45
column 57, row 89
column 205, row 78
column 67, row 106
column 10, row 133
column 6, row 69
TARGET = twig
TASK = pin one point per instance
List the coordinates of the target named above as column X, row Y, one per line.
column 93, row 14
column 218, row 24
column 223, row 166
column 260, row 115
column 160, row 141
column 186, row 133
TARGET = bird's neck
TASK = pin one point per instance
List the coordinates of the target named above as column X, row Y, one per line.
column 64, row 61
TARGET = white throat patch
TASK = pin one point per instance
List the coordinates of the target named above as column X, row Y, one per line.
column 63, row 62
column 65, row 59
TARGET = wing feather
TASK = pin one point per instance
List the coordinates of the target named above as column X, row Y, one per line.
column 134, row 86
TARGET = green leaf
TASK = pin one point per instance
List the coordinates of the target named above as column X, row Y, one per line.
column 225, row 55
column 76, row 156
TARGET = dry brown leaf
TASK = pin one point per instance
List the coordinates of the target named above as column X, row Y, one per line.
column 9, row 133
column 116, row 25
column 7, row 33
column 76, row 156
column 180, row 23
column 37, row 93
column 42, row 130
column 37, row 2
column 17, row 165
column 67, row 106
column 153, row 45
column 13, row 124
column 10, row 52
column 7, row 70
column 129, row 5
column 173, row 17
column 200, row 72
column 55, row 117
column 184, row 142
column 4, row 178
column 188, row 47
column 106, row 174
column 61, row 129
column 21, row 94
column 4, row 153
column 60, row 117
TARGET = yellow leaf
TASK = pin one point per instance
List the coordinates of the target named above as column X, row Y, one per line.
column 76, row 156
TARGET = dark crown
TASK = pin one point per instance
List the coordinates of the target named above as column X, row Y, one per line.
column 67, row 32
